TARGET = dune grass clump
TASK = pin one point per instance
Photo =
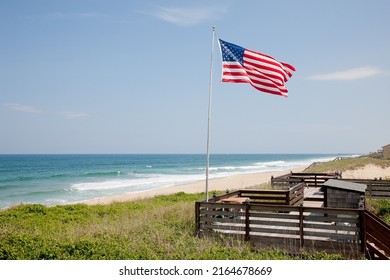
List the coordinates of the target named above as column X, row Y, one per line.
column 347, row 164
column 380, row 207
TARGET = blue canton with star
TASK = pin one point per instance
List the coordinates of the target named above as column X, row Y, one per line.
column 231, row 52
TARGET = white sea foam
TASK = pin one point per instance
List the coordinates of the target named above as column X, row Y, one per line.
column 141, row 182
column 153, row 181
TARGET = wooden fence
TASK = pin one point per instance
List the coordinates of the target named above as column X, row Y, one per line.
column 292, row 196
column 291, row 228
column 277, row 218
column 377, row 237
column 311, row 179
column 379, row 192
column 377, row 188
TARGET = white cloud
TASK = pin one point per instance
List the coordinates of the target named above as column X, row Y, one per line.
column 187, row 16
column 351, row 74
column 72, row 115
column 22, row 108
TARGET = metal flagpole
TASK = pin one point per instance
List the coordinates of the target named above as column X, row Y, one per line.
column 209, row 115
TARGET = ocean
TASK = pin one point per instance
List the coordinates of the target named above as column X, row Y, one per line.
column 64, row 179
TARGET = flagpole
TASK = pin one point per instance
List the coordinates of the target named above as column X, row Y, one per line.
column 209, row 116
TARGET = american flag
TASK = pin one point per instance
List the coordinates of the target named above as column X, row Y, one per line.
column 263, row 72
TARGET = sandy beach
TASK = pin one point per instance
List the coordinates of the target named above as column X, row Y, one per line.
column 368, row 172
column 234, row 182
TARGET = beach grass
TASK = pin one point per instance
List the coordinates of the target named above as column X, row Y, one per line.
column 347, row 164
column 380, row 207
column 159, row 228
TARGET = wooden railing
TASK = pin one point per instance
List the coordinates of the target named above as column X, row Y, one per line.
column 376, row 188
column 311, row 179
column 288, row 227
column 377, row 237
column 291, row 196
column 379, row 192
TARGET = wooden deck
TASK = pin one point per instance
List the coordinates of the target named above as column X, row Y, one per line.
column 313, row 197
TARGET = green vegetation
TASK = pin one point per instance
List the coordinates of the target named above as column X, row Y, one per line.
column 347, row 164
column 158, row 228
column 380, row 207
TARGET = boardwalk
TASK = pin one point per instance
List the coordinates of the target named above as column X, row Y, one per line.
column 313, row 197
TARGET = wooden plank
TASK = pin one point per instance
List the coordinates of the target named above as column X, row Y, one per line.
column 296, row 195
column 330, row 211
column 265, row 197
column 212, row 205
column 235, row 200
column 225, row 227
column 296, row 200
column 374, row 253
column 379, row 243
column 315, row 198
column 330, row 219
column 221, row 213
column 275, row 223
column 278, row 208
column 332, row 235
column 335, row 227
column 222, row 220
column 274, row 215
column 369, row 182
column 219, row 206
column 378, row 231
column 378, row 193
column 233, row 226
column 197, row 218
column 373, row 219
column 378, row 188
column 302, row 240
column 247, row 214
column 230, row 194
column 274, row 231
column 262, row 192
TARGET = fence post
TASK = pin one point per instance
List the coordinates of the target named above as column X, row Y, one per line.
column 362, row 216
column 301, row 226
column 197, row 218
column 247, row 235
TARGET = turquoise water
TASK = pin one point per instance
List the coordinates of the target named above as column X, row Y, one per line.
column 64, row 179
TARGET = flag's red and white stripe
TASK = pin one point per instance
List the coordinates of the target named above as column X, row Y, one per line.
column 261, row 71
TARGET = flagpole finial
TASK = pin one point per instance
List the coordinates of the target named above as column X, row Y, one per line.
column 213, row 27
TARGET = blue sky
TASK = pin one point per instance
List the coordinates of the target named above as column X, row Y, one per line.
column 98, row 76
